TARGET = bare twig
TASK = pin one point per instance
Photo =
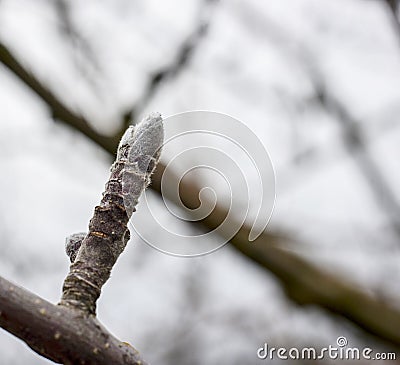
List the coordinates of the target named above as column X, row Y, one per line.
column 176, row 66
column 58, row 110
column 354, row 141
column 380, row 189
column 80, row 44
column 393, row 6
column 108, row 235
column 69, row 333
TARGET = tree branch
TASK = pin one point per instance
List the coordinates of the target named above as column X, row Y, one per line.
column 59, row 333
column 69, row 333
column 305, row 283
column 178, row 63
column 137, row 156
column 355, row 144
column 393, row 6
column 58, row 110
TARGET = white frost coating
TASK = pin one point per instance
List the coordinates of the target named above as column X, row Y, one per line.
column 140, row 149
column 126, row 142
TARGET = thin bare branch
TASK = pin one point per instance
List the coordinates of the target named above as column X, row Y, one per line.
column 58, row 109
column 355, row 143
column 177, row 65
column 82, row 52
column 393, row 6
column 137, row 156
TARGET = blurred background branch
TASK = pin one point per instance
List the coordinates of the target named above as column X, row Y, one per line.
column 356, row 145
column 57, row 109
column 182, row 57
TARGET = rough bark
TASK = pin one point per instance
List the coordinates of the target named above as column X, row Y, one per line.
column 61, row 334
column 108, row 235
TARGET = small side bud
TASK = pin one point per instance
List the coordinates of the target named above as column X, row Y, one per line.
column 73, row 244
